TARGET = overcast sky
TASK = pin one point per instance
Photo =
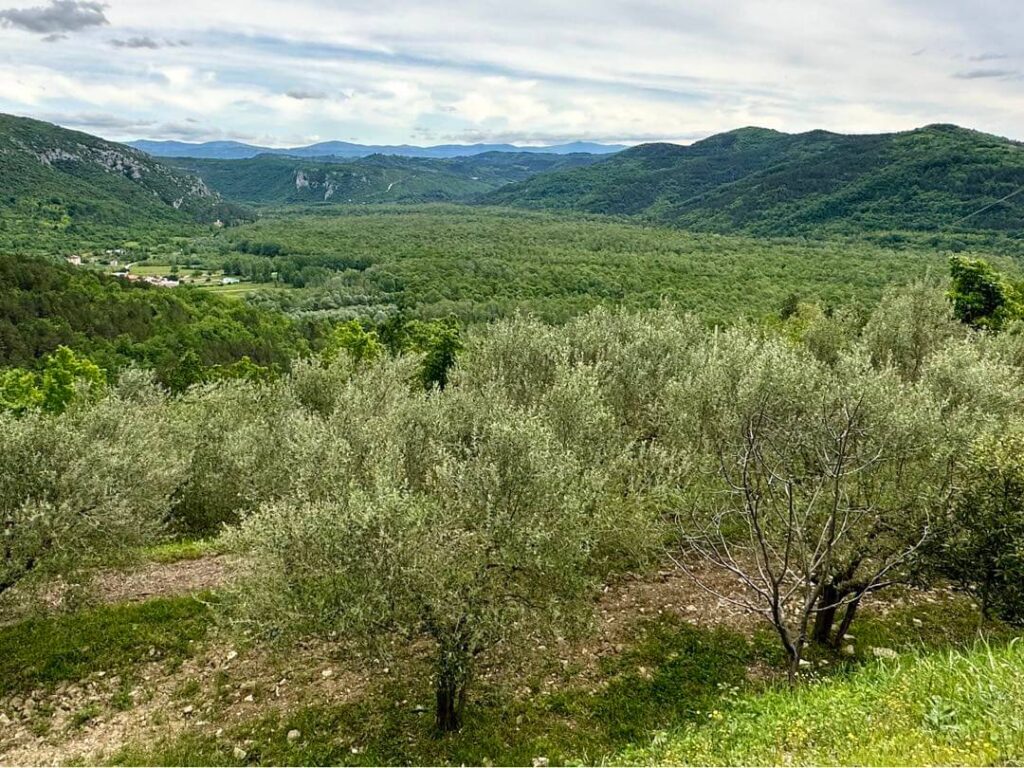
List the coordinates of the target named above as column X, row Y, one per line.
column 530, row 71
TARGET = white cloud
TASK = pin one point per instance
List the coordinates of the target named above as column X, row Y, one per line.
column 612, row 69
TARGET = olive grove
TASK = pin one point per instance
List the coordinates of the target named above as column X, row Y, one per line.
column 477, row 495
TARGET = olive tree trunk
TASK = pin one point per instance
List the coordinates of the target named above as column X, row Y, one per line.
column 454, row 666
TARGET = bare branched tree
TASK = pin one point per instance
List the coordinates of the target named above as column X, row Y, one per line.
column 811, row 485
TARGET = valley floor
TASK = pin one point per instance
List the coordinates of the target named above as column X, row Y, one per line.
column 144, row 675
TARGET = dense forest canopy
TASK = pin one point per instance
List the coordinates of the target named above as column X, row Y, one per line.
column 274, row 180
column 482, row 263
column 769, row 183
column 44, row 305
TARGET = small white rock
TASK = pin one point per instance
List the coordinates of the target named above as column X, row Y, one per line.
column 232, row 655
column 884, row 653
column 327, row 673
column 187, row 710
column 540, row 762
column 294, row 735
column 239, row 753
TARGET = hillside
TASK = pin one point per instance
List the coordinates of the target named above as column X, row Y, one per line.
column 271, row 179
column 63, row 185
column 234, row 150
column 765, row 182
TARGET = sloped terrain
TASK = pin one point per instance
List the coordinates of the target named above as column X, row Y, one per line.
column 764, row 182
column 53, row 178
column 273, row 179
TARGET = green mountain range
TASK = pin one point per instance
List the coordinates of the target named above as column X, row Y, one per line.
column 764, row 182
column 273, row 179
column 59, row 182
column 233, row 150
column 59, row 186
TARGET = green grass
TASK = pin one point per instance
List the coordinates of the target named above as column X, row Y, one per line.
column 944, row 708
column 951, row 621
column 186, row 549
column 42, row 652
column 149, row 269
column 85, row 715
column 675, row 673
column 674, row 679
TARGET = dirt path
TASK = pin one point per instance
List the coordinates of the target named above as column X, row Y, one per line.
column 154, row 580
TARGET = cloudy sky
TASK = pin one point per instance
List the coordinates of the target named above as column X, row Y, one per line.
column 288, row 72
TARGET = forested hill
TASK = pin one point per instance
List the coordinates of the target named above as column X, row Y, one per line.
column 765, row 182
column 273, row 179
column 57, row 184
column 44, row 304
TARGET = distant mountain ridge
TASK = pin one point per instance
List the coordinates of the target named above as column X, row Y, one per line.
column 765, row 182
column 280, row 179
column 56, row 182
column 234, row 150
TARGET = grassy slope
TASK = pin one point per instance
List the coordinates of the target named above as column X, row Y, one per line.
column 952, row 708
column 481, row 263
column 42, row 652
column 669, row 696
column 674, row 693
column 765, row 182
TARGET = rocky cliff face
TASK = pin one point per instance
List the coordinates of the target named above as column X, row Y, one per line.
column 43, row 161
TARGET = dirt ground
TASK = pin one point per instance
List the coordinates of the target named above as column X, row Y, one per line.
column 162, row 580
column 224, row 683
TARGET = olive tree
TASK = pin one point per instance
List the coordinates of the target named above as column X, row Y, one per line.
column 637, row 355
column 811, row 485
column 489, row 534
column 240, row 445
column 909, row 325
column 982, row 548
column 86, row 486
